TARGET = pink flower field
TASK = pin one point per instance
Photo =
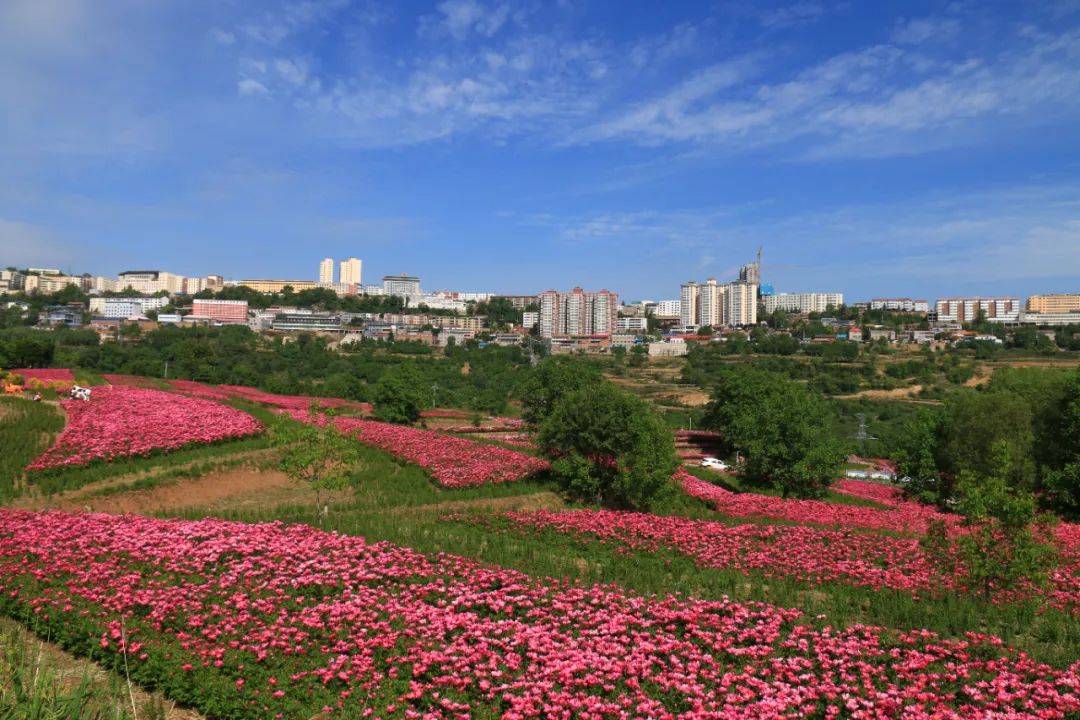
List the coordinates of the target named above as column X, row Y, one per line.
column 807, row 553
column 452, row 461
column 276, row 621
column 284, row 402
column 900, row 517
column 120, row 421
column 61, row 375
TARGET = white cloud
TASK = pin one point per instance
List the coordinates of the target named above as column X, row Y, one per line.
column 461, row 18
column 877, row 101
column 247, row 86
column 293, row 71
column 797, row 14
column 921, row 30
column 222, row 37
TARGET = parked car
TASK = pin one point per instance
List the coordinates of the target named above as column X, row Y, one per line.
column 714, row 464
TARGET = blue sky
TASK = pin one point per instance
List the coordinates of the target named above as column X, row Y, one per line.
column 874, row 148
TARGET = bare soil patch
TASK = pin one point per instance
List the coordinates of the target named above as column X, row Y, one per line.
column 545, row 500
column 240, row 487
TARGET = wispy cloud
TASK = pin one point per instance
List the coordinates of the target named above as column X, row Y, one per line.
column 799, row 13
column 996, row 238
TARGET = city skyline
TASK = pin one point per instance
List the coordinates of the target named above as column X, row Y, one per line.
column 923, row 150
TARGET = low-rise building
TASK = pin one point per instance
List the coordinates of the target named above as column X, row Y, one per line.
column 880, row 333
column 307, row 322
column 900, row 305
column 225, row 312
column 1055, row 318
column 530, row 319
column 673, row 347
column 62, row 315
column 632, row 324
column 123, row 308
column 804, row 303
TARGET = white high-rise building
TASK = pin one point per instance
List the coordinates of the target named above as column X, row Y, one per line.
column 350, row 271
column 688, row 304
column 740, row 304
column 326, row 271
column 711, row 303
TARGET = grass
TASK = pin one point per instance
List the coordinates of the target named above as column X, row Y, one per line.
column 26, row 430
column 397, row 502
column 38, row 684
column 63, row 479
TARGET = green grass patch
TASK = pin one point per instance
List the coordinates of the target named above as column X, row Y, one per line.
column 27, row 428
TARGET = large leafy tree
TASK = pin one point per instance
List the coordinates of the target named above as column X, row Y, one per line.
column 551, row 380
column 779, row 427
column 398, row 396
column 608, row 447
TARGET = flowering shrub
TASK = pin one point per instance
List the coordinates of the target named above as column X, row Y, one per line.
column 120, row 421
column 287, row 621
column 807, row 553
column 452, row 461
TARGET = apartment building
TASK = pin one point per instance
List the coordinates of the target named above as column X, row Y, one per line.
column 149, row 282
column 578, row 313
column 48, row 283
column 632, row 324
column 668, row 309
column 1054, row 303
column 807, row 302
column 401, row 285
column 226, row 312
column 966, row 309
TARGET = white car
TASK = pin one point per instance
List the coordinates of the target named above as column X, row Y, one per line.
column 714, row 463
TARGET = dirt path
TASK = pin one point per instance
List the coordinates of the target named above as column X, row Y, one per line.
column 71, row 671
column 905, row 394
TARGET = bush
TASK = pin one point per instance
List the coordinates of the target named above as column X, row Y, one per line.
column 608, row 447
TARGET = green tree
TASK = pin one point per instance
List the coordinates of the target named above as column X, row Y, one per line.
column 398, row 395
column 779, row 427
column 316, row 454
column 551, row 380
column 915, row 455
column 607, row 446
column 975, row 423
